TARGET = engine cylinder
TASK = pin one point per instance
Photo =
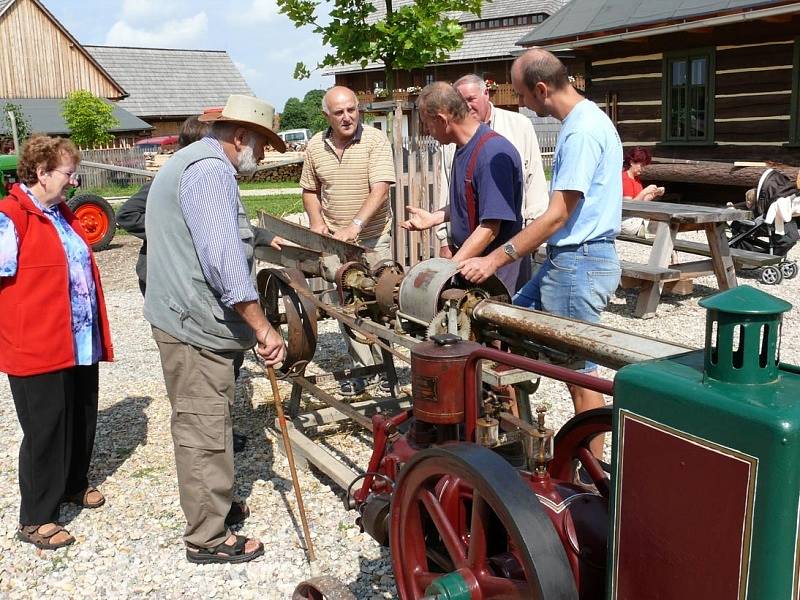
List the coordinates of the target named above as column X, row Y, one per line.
column 437, row 379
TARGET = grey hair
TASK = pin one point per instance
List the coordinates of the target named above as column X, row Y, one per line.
column 223, row 130
column 472, row 79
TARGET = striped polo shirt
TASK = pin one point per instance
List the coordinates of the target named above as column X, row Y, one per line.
column 344, row 184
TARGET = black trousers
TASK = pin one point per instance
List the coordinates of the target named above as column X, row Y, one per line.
column 58, row 415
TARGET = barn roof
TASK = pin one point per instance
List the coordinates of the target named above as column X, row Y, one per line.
column 44, row 115
column 171, row 83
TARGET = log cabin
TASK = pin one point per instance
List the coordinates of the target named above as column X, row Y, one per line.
column 712, row 81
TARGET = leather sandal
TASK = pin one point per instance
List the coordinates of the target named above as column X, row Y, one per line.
column 82, row 498
column 31, row 534
column 238, row 513
column 223, row 553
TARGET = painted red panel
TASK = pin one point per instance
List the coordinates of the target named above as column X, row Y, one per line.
column 682, row 518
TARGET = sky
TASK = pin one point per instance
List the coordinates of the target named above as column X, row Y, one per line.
column 263, row 44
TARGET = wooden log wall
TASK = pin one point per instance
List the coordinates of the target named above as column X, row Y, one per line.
column 40, row 61
column 752, row 96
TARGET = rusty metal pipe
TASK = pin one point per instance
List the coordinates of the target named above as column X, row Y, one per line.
column 609, row 347
column 472, row 382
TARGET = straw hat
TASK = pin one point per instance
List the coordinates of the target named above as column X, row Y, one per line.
column 250, row 112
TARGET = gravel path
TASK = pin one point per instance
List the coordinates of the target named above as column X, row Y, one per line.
column 131, row 547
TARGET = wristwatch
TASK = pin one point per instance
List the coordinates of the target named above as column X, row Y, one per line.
column 358, row 222
column 511, row 251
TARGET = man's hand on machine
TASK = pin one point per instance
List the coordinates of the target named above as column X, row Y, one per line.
column 270, row 347
column 478, row 269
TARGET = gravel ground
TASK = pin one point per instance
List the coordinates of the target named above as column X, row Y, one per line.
column 132, row 546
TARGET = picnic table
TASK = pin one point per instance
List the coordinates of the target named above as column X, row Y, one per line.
column 670, row 219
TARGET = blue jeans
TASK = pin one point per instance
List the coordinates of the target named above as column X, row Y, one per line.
column 575, row 282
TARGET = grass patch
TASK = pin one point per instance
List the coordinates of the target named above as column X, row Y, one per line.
column 283, row 204
column 268, row 185
column 111, row 191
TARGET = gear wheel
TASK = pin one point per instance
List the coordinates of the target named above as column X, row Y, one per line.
column 439, row 325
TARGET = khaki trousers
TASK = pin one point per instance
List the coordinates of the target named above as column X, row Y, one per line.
column 200, row 387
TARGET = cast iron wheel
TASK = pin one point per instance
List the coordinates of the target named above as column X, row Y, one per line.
column 97, row 219
column 498, row 521
column 300, row 314
column 322, row 588
column 572, row 444
column 789, row 269
column 771, row 275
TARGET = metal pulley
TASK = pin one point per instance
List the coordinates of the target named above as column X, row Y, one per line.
column 299, row 315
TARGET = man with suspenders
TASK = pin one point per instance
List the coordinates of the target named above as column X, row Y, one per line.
column 485, row 208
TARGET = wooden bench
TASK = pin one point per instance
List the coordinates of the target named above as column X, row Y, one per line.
column 633, row 270
column 743, row 259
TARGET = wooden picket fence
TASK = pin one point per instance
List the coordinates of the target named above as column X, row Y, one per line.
column 122, row 156
column 417, row 172
column 417, row 162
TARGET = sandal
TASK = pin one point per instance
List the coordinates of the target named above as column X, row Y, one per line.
column 82, row 498
column 353, row 387
column 238, row 513
column 32, row 534
column 223, row 553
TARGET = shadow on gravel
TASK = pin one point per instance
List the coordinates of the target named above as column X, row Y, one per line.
column 254, row 463
column 121, row 428
column 375, row 576
column 631, row 295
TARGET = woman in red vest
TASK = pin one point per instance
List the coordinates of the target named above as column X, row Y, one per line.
column 53, row 332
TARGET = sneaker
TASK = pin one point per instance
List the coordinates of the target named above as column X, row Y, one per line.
column 353, row 387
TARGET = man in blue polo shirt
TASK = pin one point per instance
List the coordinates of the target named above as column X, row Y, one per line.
column 485, row 208
column 583, row 217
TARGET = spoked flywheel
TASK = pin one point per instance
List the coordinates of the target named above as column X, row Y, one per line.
column 463, row 524
column 571, row 445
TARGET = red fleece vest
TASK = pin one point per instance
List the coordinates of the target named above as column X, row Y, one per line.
column 35, row 311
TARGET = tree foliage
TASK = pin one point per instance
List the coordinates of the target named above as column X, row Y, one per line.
column 22, row 122
column 89, row 118
column 305, row 113
column 407, row 37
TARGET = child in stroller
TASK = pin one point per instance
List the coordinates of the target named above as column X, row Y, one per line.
column 775, row 204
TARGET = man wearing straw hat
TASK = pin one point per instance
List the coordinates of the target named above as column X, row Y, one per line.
column 203, row 308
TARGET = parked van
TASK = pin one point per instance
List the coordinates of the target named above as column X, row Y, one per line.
column 295, row 136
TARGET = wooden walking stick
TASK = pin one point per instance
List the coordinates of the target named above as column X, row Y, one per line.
column 290, row 457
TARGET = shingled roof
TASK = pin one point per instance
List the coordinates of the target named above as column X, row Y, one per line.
column 582, row 18
column 497, row 9
column 45, row 116
column 167, row 83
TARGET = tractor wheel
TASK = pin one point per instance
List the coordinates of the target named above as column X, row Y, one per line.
column 97, row 219
column 571, row 445
column 463, row 524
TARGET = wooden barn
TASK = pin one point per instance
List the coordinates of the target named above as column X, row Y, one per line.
column 711, row 81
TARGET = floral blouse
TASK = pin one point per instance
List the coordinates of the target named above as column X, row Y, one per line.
column 82, row 292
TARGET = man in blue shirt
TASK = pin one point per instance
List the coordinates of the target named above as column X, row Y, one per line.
column 485, row 208
column 584, row 214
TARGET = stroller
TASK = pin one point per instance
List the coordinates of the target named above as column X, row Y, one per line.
column 766, row 233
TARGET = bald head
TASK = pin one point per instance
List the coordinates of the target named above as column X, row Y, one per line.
column 336, row 95
column 440, row 97
column 538, row 65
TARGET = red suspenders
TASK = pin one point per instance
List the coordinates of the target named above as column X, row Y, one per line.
column 469, row 189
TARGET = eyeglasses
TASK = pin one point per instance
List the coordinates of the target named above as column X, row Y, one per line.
column 73, row 177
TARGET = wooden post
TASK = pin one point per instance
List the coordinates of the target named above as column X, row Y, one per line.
column 413, row 188
column 398, row 235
